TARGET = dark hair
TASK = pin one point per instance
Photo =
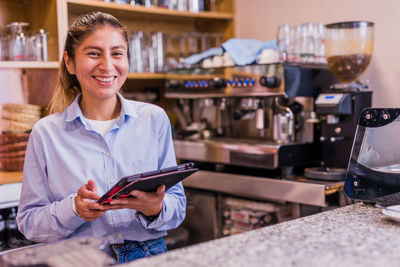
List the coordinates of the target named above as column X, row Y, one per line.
column 68, row 86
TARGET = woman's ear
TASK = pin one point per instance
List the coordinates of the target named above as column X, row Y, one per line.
column 69, row 63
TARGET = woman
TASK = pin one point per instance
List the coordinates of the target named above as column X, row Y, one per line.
column 92, row 138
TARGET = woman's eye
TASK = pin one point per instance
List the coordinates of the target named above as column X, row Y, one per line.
column 118, row 54
column 95, row 54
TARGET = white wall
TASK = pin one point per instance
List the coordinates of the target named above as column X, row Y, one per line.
column 259, row 18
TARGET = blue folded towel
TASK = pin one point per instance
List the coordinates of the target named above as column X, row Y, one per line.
column 245, row 51
column 196, row 58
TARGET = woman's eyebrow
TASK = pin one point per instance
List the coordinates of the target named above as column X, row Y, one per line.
column 118, row 47
column 92, row 47
column 99, row 48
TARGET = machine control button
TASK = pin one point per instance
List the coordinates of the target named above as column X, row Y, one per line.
column 270, row 81
column 385, row 116
column 218, row 83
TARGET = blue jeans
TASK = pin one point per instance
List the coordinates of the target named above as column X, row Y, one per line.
column 132, row 250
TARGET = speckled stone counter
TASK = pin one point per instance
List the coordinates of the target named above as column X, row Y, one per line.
column 355, row 235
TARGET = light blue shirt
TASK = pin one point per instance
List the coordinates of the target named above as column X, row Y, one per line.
column 63, row 153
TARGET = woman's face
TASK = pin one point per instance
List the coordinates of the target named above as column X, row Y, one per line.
column 101, row 63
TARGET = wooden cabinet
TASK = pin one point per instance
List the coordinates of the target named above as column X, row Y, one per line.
column 39, row 78
column 56, row 15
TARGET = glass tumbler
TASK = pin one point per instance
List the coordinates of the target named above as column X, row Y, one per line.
column 156, row 52
column 283, row 39
column 307, row 43
column 319, row 43
column 171, row 58
column 138, row 52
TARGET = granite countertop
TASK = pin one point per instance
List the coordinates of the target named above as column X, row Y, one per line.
column 355, row 235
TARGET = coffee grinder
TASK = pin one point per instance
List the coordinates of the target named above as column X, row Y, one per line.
column 349, row 47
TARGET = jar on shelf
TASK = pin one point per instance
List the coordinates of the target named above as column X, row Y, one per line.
column 16, row 41
column 36, row 46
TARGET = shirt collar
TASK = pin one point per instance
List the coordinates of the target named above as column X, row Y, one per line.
column 73, row 111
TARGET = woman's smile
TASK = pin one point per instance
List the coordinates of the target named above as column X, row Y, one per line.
column 105, row 80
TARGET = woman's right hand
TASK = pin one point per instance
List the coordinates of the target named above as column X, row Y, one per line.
column 85, row 202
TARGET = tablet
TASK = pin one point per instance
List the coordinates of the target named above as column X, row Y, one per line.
column 148, row 181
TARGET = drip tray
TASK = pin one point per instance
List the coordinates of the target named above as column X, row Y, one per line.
column 325, row 173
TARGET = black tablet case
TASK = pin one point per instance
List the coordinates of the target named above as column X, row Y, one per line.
column 148, row 181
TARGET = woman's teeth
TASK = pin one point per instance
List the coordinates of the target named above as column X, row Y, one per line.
column 104, row 79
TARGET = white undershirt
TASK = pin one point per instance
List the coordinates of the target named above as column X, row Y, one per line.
column 102, row 127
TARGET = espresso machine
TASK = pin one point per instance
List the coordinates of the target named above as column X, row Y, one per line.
column 251, row 131
column 240, row 116
column 349, row 47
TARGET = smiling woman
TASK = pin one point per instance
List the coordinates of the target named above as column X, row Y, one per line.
column 93, row 137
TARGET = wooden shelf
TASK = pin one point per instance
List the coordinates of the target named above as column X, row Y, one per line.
column 146, row 76
column 162, row 76
column 189, row 76
column 123, row 10
column 29, row 64
column 10, row 177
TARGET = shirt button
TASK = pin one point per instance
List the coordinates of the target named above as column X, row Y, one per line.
column 107, row 154
column 111, row 181
column 119, row 236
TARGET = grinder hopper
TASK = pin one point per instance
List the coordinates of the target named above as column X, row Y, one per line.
column 349, row 47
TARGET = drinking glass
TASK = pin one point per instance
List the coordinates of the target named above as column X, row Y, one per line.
column 205, row 42
column 291, row 50
column 173, row 4
column 182, row 5
column 171, row 62
column 138, row 58
column 283, row 39
column 156, row 52
column 212, row 6
column 307, row 43
column 196, row 6
column 184, row 50
column 217, row 37
column 122, row 1
column 319, row 43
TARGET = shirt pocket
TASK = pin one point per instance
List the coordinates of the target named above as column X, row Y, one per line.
column 145, row 165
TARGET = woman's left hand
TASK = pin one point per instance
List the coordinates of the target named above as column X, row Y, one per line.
column 148, row 203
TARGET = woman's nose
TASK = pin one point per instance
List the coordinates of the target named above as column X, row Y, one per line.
column 107, row 63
